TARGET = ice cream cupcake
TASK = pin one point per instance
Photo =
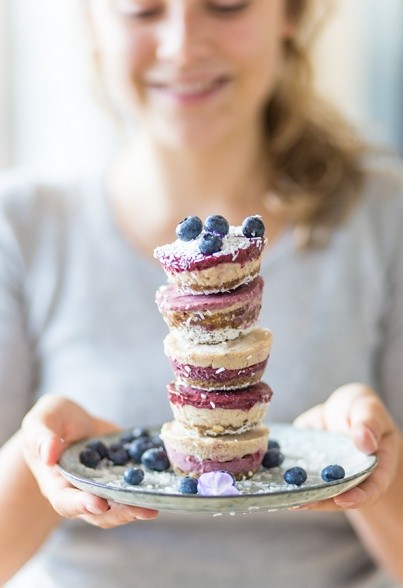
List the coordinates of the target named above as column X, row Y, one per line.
column 191, row 454
column 211, row 318
column 214, row 257
column 219, row 413
column 225, row 366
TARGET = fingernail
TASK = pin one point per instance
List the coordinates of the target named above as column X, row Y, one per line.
column 92, row 509
column 141, row 517
column 346, row 504
column 373, row 439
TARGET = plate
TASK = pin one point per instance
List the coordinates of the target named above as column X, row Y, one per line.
column 266, row 491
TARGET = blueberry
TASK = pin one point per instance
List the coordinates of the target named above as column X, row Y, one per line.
column 295, row 476
column 273, row 444
column 332, row 473
column 189, row 228
column 138, row 447
column 133, row 476
column 157, row 441
column 127, row 437
column 155, row 459
column 118, row 456
column 210, row 243
column 99, row 446
column 217, row 224
column 253, row 226
column 140, row 432
column 89, row 457
column 273, row 458
column 187, row 485
column 115, row 446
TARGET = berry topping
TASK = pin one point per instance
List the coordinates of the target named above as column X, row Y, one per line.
column 332, row 473
column 118, row 456
column 189, row 228
column 155, row 459
column 217, row 224
column 273, row 458
column 253, row 226
column 133, row 476
column 273, row 444
column 295, row 476
column 187, row 485
column 89, row 457
column 210, row 243
column 99, row 446
column 138, row 447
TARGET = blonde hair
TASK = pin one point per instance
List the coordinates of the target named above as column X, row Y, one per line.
column 315, row 157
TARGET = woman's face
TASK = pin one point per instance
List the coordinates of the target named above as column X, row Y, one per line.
column 194, row 72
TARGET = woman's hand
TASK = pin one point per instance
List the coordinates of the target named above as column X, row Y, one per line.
column 52, row 425
column 357, row 411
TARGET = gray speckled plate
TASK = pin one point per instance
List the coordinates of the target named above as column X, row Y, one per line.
column 312, row 450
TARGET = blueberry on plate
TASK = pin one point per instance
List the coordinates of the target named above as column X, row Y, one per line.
column 126, row 438
column 157, row 441
column 253, row 226
column 99, row 446
column 133, row 476
column 332, row 472
column 118, row 456
column 140, row 432
column 89, row 457
column 138, row 447
column 295, row 476
column 155, row 459
column 187, row 485
column 189, row 229
column 210, row 243
column 273, row 458
column 273, row 444
column 217, row 224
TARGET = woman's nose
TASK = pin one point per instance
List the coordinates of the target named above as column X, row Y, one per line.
column 182, row 35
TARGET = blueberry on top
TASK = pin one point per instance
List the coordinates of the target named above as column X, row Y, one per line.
column 155, row 459
column 295, row 476
column 332, row 473
column 217, row 224
column 210, row 243
column 89, row 457
column 253, row 226
column 189, row 228
column 187, row 485
column 133, row 476
column 273, row 458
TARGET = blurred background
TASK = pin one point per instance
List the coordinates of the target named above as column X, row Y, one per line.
column 48, row 117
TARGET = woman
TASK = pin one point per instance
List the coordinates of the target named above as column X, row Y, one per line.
column 226, row 121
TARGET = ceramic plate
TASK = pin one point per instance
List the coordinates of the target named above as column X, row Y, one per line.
column 312, row 450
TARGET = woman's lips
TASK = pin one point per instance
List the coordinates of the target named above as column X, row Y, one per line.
column 190, row 91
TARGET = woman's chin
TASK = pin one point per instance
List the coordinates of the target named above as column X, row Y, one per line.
column 199, row 137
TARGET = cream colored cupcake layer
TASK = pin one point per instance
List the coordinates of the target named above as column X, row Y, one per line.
column 240, row 353
column 219, row 278
column 219, row 421
column 223, row 448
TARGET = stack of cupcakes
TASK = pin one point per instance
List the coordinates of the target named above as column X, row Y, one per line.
column 218, row 355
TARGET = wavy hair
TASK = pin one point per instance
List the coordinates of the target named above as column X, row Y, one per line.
column 315, row 156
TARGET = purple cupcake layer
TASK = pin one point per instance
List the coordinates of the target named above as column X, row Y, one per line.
column 170, row 299
column 243, row 399
column 190, row 464
column 177, row 264
column 206, row 378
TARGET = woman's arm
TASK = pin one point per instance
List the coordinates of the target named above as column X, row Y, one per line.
column 375, row 507
column 26, row 516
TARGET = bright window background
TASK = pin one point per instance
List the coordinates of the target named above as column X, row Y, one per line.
column 48, row 116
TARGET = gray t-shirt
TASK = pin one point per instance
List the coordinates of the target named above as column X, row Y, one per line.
column 78, row 318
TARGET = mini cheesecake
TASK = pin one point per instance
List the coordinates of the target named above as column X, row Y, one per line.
column 211, row 318
column 219, row 413
column 192, row 455
column 238, row 363
column 190, row 271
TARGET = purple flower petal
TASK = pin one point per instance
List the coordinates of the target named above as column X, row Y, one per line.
column 216, row 484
